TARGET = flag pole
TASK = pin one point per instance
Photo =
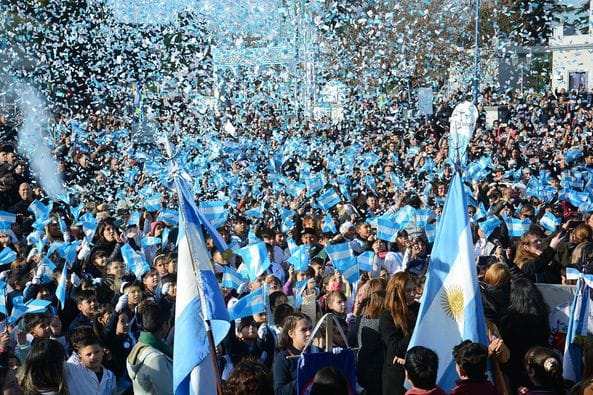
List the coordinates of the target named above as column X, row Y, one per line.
column 207, row 322
column 200, row 286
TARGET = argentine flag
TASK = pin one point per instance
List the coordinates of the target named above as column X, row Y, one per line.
column 328, row 199
column 250, row 304
column 255, row 259
column 578, row 324
column 215, row 211
column 199, row 304
column 450, row 309
column 387, row 229
column 300, row 258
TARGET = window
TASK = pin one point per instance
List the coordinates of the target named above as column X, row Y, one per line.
column 577, row 80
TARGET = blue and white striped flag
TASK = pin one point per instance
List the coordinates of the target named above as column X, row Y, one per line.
column 75, row 211
column 256, row 212
column 168, row 216
column 422, row 217
column 298, row 290
column 165, row 237
column 481, row 212
column 199, row 303
column 365, row 261
column 135, row 263
column 7, row 217
column 231, row 278
column 153, row 202
column 578, row 324
column 489, row 225
column 314, row 183
column 341, row 255
column 328, row 199
column 328, row 225
column 3, row 298
column 39, row 210
column 61, row 288
column 134, row 219
column 350, row 271
column 404, row 216
column 294, row 188
column 549, row 221
column 256, row 259
column 450, row 309
column 300, row 258
column 517, row 227
column 387, row 229
column 148, row 241
column 248, row 305
column 7, row 255
column 215, row 211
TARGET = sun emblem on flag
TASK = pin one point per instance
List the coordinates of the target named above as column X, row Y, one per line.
column 452, row 302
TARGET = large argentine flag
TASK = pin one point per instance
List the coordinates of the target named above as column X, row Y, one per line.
column 193, row 371
column 450, row 310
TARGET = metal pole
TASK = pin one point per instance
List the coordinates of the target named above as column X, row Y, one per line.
column 476, row 85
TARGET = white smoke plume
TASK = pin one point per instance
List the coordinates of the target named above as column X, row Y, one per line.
column 32, row 144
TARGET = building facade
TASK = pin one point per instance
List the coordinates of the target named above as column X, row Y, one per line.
column 572, row 48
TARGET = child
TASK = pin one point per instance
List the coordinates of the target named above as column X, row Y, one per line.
column 36, row 325
column 85, row 374
column 544, row 368
column 470, row 360
column 86, row 303
column 422, row 365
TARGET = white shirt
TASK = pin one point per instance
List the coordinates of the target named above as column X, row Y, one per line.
column 83, row 381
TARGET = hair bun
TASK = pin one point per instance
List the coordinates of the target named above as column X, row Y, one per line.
column 551, row 365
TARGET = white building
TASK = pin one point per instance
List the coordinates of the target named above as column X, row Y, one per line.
column 572, row 51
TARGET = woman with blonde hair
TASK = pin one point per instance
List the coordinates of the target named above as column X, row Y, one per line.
column 396, row 325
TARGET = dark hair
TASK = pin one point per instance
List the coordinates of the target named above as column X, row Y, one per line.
column 471, row 358
column 79, row 334
column 525, row 298
column 91, row 340
column 329, row 381
column 544, row 367
column 32, row 320
column 422, row 365
column 43, row 369
column 249, row 377
column 290, row 322
column 274, row 296
column 153, row 317
column 85, row 294
column 281, row 312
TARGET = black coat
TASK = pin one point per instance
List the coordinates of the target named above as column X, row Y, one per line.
column 371, row 354
column 285, row 374
column 543, row 269
column 396, row 345
column 520, row 332
column 495, row 300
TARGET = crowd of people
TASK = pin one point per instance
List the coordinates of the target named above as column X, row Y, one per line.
column 81, row 315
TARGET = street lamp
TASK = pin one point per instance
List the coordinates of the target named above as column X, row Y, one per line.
column 476, row 79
